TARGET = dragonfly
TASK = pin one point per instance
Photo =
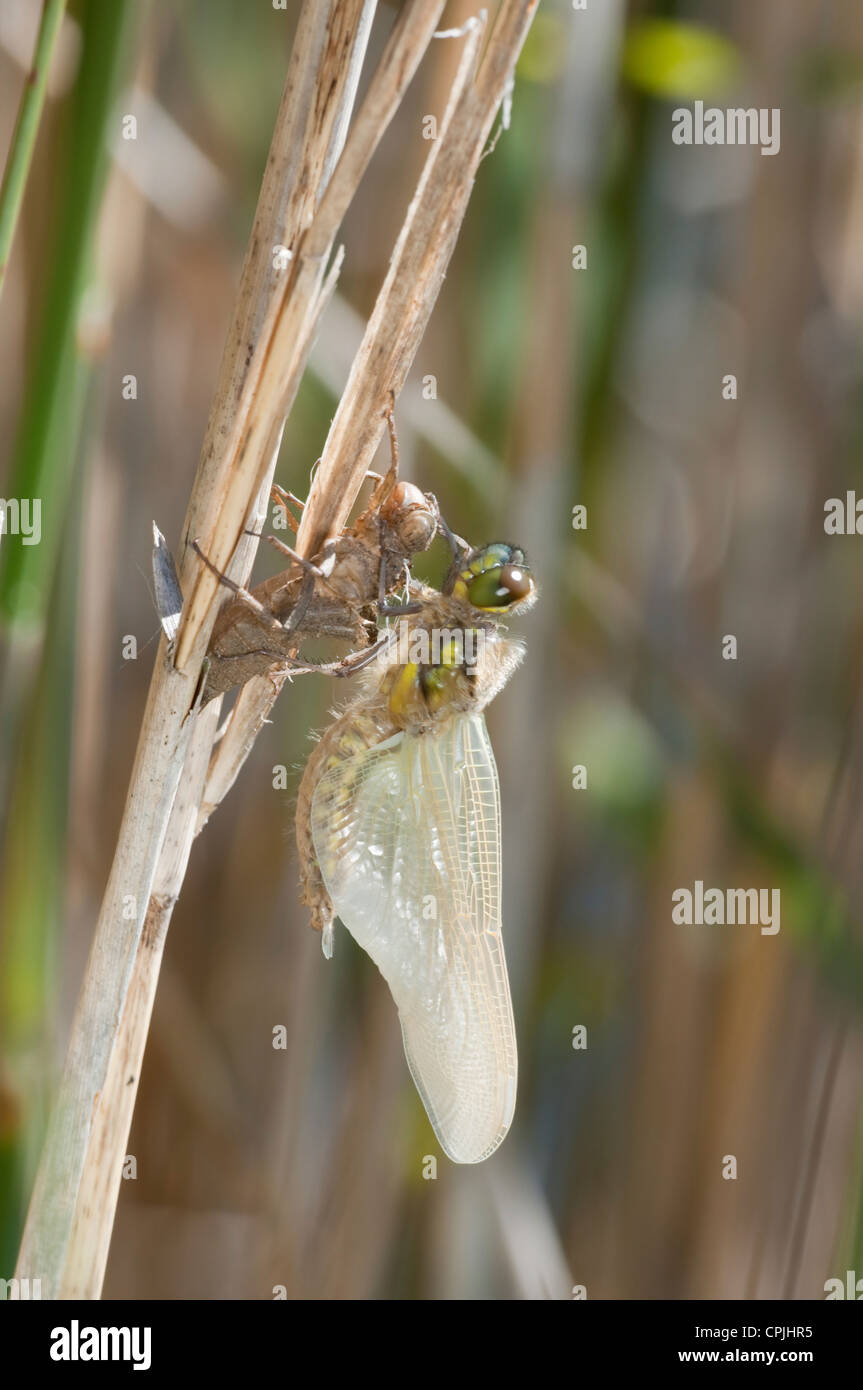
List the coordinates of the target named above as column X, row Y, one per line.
column 337, row 594
column 398, row 832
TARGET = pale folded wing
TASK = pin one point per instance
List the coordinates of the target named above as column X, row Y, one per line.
column 407, row 836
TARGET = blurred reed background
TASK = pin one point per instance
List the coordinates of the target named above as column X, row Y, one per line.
column 302, row 1167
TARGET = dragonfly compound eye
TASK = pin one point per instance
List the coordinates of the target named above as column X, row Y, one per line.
column 495, row 577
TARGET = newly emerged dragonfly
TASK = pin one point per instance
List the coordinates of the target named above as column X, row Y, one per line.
column 398, row 829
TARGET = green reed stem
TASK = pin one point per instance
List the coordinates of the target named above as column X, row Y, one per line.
column 45, row 449
column 26, row 129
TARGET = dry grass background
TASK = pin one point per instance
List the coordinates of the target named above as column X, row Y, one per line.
column 303, row 1167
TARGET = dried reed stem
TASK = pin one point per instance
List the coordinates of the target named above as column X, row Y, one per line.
column 84, row 1140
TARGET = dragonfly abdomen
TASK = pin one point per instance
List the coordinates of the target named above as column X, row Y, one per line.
column 354, row 732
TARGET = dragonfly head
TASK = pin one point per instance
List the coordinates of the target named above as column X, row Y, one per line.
column 496, row 578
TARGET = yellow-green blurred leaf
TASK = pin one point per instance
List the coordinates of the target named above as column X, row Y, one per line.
column 543, row 57
column 685, row 61
column 626, row 768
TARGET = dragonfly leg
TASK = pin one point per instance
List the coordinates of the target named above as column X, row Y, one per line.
column 460, row 549
column 281, row 499
column 347, row 666
column 312, row 573
column 304, row 564
column 398, row 610
column 351, row 664
column 390, row 417
column 301, row 607
column 241, row 593
column 386, row 483
column 382, row 580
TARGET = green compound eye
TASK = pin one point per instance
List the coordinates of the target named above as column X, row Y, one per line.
column 495, row 577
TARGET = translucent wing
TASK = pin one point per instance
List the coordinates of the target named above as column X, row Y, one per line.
column 407, row 836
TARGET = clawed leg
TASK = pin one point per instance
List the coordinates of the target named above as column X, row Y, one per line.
column 241, row 593
column 281, row 499
column 394, row 610
column 460, row 550
column 308, row 565
column 386, row 484
column 381, row 492
column 398, row 610
column 301, row 607
column 311, row 574
column 285, row 495
column 382, row 580
column 349, row 665
column 390, row 417
column 270, row 619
